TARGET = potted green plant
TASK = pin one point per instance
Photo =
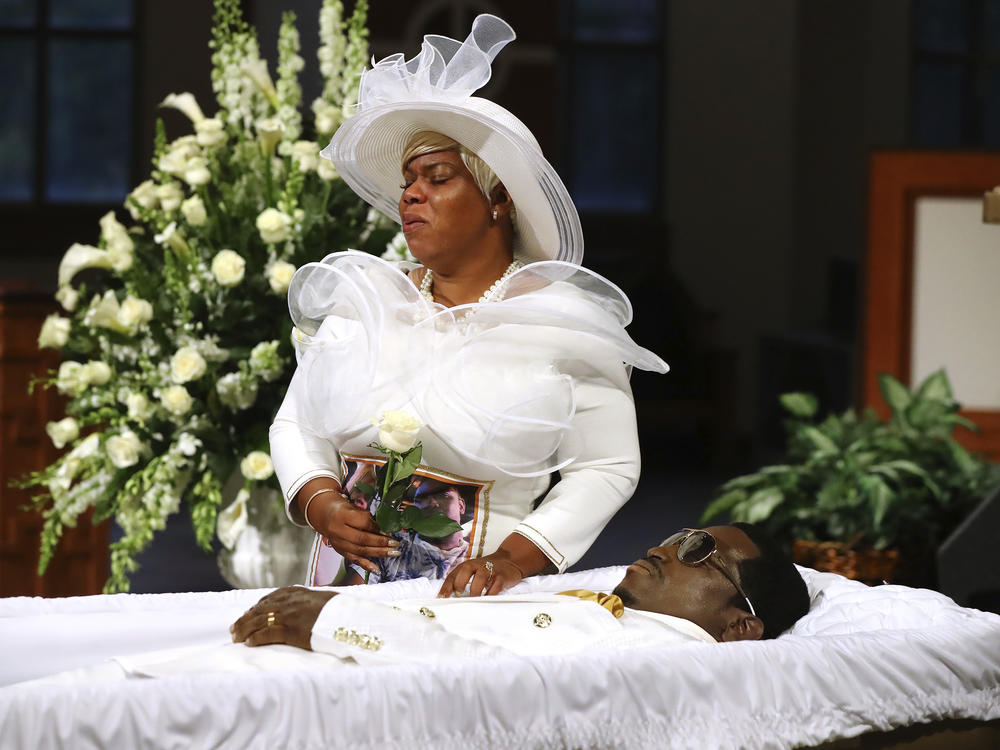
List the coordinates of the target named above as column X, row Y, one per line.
column 863, row 496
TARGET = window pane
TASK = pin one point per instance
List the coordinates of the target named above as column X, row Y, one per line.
column 938, row 96
column 941, row 26
column 89, row 128
column 91, row 14
column 18, row 13
column 17, row 120
column 615, row 122
column 993, row 25
column 616, row 20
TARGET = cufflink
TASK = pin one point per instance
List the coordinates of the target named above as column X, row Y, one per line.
column 542, row 620
column 360, row 640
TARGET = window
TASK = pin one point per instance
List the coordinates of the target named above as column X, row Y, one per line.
column 66, row 125
column 956, row 73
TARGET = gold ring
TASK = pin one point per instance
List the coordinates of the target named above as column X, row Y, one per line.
column 270, row 619
column 489, row 567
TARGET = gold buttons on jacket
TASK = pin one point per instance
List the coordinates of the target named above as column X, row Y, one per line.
column 542, row 620
column 427, row 612
column 354, row 638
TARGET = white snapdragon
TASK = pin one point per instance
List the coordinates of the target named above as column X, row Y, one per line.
column 186, row 365
column 187, row 104
column 170, row 194
column 176, row 400
column 68, row 297
column 326, row 170
column 173, row 239
column 265, row 361
column 274, row 225
column 327, row 117
column 144, row 195
column 123, row 449
column 236, row 391
column 228, row 267
column 117, row 241
column 306, row 155
column 188, row 444
column 211, row 132
column 279, row 276
column 257, row 465
column 397, row 249
column 54, row 333
column 64, row 431
column 194, row 211
column 196, row 171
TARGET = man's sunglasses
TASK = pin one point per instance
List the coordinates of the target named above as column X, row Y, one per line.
column 695, row 547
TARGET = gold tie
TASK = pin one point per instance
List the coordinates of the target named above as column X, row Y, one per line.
column 609, row 601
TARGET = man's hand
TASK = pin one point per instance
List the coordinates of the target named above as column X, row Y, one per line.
column 291, row 611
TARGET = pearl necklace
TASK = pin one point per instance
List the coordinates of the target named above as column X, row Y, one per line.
column 494, row 294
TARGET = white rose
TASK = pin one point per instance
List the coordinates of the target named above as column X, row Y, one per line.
column 54, row 333
column 96, row 372
column 194, row 211
column 306, row 154
column 138, row 407
column 170, row 195
column 228, row 267
column 134, row 312
column 187, row 104
column 123, row 449
column 397, row 430
column 257, row 465
column 67, row 296
column 70, row 379
column 326, row 170
column 211, row 132
column 274, row 225
column 186, row 365
column 196, row 172
column 279, row 276
column 62, row 432
column 233, row 520
column 176, row 400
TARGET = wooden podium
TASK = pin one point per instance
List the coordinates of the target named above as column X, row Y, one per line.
column 80, row 565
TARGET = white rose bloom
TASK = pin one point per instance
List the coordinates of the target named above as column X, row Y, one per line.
column 138, row 407
column 176, row 400
column 279, row 276
column 257, row 465
column 96, row 372
column 170, row 195
column 326, row 170
column 228, row 267
column 274, row 225
column 211, row 132
column 196, row 172
column 194, row 211
column 70, row 379
column 306, row 153
column 188, row 444
column 187, row 104
column 133, row 313
column 54, row 333
column 233, row 520
column 62, row 432
column 397, row 430
column 67, row 296
column 123, row 449
column 186, row 365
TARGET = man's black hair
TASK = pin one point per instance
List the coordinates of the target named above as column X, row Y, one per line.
column 772, row 583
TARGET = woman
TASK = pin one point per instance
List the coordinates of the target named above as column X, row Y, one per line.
column 512, row 356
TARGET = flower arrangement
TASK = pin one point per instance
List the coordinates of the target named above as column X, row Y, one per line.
column 176, row 338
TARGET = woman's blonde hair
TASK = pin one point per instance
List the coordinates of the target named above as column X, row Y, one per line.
column 427, row 141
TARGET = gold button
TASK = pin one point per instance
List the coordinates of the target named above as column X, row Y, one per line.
column 427, row 612
column 542, row 620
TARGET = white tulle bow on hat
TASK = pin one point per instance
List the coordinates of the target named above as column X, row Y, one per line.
column 433, row 91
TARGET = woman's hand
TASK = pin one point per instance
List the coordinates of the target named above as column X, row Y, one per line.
column 516, row 559
column 485, row 576
column 283, row 616
column 348, row 529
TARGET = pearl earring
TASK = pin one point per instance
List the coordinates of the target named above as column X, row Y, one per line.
column 495, row 214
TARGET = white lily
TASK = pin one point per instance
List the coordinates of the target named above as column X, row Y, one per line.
column 186, row 103
column 256, row 71
column 233, row 520
column 79, row 257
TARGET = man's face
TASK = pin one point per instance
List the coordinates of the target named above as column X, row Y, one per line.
column 449, row 502
column 701, row 593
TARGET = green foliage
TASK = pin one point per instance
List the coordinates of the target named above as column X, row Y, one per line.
column 391, row 514
column 903, row 483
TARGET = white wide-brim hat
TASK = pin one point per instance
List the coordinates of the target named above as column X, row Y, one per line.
column 399, row 98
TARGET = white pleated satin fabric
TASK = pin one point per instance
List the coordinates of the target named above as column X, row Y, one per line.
column 863, row 659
